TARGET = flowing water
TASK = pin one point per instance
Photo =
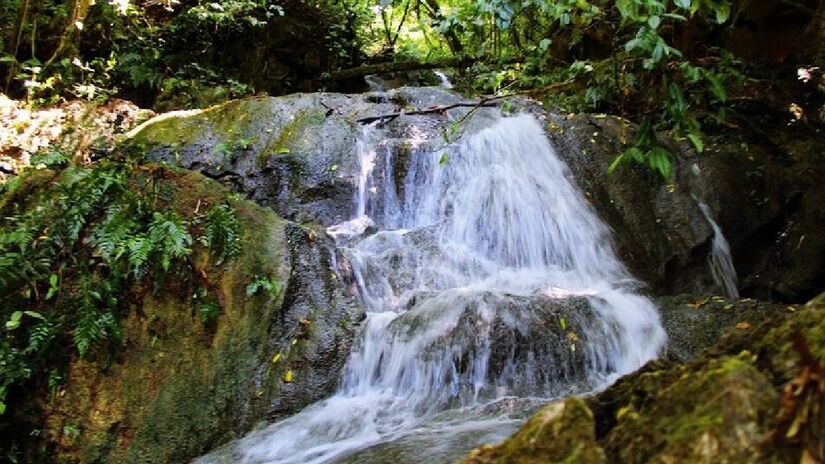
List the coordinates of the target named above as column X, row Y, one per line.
column 720, row 260
column 490, row 286
column 444, row 81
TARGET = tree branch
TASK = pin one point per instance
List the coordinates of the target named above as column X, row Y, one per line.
column 438, row 109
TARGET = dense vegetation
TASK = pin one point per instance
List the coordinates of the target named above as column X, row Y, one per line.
column 665, row 65
column 77, row 245
column 79, row 239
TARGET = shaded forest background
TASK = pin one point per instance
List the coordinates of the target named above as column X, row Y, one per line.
column 681, row 66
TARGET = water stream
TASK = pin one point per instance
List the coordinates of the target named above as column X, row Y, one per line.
column 445, row 82
column 720, row 260
column 490, row 287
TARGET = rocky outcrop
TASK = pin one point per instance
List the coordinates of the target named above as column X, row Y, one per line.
column 296, row 154
column 759, row 181
column 695, row 323
column 756, row 396
column 180, row 383
column 299, row 155
column 560, row 432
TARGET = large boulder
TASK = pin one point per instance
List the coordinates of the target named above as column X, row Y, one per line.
column 563, row 431
column 180, row 383
column 755, row 397
column 298, row 154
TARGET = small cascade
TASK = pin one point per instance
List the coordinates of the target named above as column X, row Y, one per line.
column 374, row 83
column 444, row 81
column 720, row 260
column 490, row 287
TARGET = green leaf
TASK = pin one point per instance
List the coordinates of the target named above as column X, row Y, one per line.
column 252, row 288
column 722, row 13
column 14, row 320
column 442, row 160
column 677, row 98
column 654, row 21
column 282, row 151
column 659, row 159
column 616, row 162
column 716, row 87
column 697, row 142
column 544, row 44
column 635, row 154
column 34, row 314
column 2, row 408
column 674, row 16
column 53, row 287
column 684, row 4
column 563, row 323
column 658, row 52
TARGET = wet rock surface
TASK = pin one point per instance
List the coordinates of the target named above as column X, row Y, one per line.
column 521, row 344
column 732, row 403
column 180, row 385
column 562, row 431
column 694, row 323
column 319, row 320
column 298, row 155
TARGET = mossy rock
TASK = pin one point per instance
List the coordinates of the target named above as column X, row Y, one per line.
column 708, row 416
column 694, row 323
column 181, row 385
column 561, row 432
column 724, row 406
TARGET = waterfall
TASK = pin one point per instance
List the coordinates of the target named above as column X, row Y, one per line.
column 444, row 81
column 488, row 282
column 720, row 260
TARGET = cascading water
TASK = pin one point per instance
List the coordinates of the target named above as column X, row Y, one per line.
column 489, row 281
column 720, row 260
column 444, row 81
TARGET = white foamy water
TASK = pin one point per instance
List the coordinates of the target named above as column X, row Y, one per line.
column 479, row 272
column 444, row 81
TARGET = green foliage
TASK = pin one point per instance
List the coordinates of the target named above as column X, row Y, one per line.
column 222, row 232
column 71, row 252
column 207, row 307
column 637, row 70
column 50, row 157
column 269, row 284
column 209, row 311
column 235, row 13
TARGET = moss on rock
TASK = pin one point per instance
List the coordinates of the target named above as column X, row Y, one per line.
column 181, row 384
column 721, row 407
column 561, row 432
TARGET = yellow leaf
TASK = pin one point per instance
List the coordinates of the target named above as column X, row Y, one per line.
column 743, row 325
column 276, row 357
column 288, row 376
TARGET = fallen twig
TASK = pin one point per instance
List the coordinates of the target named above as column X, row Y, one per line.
column 437, row 109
